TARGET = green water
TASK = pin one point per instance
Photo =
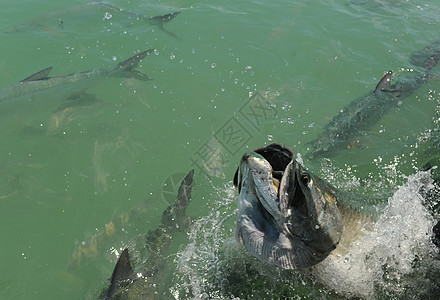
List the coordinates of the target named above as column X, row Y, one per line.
column 65, row 173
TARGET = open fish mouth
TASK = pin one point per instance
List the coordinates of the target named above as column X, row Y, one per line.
column 287, row 216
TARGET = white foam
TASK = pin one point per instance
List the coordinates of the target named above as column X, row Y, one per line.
column 384, row 255
column 198, row 262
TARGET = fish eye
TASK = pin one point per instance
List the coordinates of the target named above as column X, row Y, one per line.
column 305, row 179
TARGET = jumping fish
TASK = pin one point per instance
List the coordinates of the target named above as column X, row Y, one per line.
column 289, row 217
column 293, row 219
column 365, row 111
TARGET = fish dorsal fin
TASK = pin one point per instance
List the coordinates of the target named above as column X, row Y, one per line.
column 385, row 83
column 122, row 274
column 41, row 75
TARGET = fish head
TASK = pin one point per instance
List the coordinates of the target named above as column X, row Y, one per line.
column 287, row 215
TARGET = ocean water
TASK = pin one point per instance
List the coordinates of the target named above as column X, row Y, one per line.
column 226, row 77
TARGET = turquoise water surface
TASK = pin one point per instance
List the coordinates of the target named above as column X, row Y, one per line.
column 226, row 77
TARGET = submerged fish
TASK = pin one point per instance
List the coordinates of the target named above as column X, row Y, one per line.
column 56, row 21
column 125, row 284
column 365, row 111
column 41, row 81
column 158, row 21
column 145, row 283
column 127, row 221
column 289, row 217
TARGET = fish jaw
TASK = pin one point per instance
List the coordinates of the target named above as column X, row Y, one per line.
column 295, row 225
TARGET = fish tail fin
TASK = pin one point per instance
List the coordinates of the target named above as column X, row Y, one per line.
column 126, row 68
column 183, row 199
column 174, row 216
column 159, row 21
column 122, row 275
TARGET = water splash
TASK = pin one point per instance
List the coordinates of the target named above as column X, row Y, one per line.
column 394, row 258
column 198, row 261
column 214, row 266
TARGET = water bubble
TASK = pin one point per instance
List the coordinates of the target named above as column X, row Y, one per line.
column 286, row 106
column 288, row 120
column 107, row 15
